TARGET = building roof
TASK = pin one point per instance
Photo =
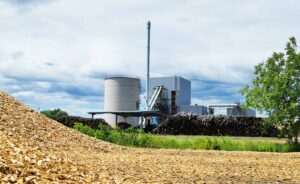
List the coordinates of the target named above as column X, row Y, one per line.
column 121, row 76
column 130, row 113
column 224, row 105
column 167, row 77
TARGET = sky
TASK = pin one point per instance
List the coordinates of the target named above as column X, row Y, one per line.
column 56, row 53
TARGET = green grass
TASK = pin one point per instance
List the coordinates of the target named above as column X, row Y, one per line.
column 137, row 138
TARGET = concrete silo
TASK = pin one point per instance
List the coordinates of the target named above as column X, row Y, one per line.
column 121, row 94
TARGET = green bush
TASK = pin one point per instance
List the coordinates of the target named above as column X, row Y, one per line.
column 138, row 138
column 102, row 133
column 84, row 129
column 54, row 114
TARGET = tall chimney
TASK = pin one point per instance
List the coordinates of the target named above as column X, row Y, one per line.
column 148, row 63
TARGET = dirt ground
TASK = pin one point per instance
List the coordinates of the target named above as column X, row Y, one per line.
column 34, row 149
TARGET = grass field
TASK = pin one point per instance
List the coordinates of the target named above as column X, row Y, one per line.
column 137, row 138
column 237, row 138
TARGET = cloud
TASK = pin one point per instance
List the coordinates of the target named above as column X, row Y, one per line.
column 44, row 101
column 26, row 2
column 63, row 49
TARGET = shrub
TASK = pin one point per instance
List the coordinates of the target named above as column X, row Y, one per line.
column 84, row 129
column 70, row 121
column 54, row 114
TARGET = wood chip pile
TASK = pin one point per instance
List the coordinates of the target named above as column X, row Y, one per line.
column 191, row 124
column 34, row 149
column 69, row 121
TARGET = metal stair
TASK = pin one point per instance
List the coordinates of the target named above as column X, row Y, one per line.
column 154, row 97
column 152, row 101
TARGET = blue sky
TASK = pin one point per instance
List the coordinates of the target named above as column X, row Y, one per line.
column 55, row 53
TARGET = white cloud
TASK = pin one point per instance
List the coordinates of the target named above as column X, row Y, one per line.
column 66, row 47
column 74, row 106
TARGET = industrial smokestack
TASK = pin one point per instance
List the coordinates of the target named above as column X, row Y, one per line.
column 148, row 63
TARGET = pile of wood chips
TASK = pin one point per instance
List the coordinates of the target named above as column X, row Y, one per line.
column 35, row 149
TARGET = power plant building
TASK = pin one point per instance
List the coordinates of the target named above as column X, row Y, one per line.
column 195, row 109
column 122, row 100
column 178, row 90
column 178, row 94
column 230, row 109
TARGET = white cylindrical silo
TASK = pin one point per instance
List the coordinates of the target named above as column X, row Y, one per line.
column 121, row 94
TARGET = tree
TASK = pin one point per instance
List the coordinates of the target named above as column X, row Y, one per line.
column 54, row 114
column 276, row 90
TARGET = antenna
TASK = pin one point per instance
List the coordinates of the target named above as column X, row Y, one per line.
column 148, row 62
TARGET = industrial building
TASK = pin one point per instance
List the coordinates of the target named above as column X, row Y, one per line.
column 177, row 91
column 230, row 109
column 122, row 100
column 195, row 109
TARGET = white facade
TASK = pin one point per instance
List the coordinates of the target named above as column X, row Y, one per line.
column 178, row 92
column 121, row 94
column 195, row 109
column 230, row 109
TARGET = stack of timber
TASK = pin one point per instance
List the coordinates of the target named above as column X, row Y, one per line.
column 190, row 124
